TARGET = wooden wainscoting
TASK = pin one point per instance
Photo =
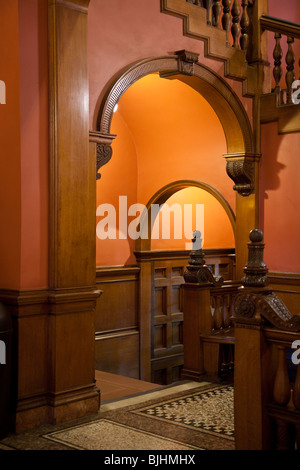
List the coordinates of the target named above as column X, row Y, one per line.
column 161, row 309
column 287, row 287
column 117, row 325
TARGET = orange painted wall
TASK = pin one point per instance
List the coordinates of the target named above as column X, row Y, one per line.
column 118, row 178
column 10, row 171
column 279, row 178
column 34, row 142
column 217, row 233
column 165, row 132
column 280, row 199
column 24, row 145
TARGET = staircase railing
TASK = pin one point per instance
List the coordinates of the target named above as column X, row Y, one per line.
column 267, row 375
column 231, row 16
column 284, row 67
column 249, row 28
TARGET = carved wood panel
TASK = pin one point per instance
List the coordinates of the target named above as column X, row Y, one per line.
column 167, row 320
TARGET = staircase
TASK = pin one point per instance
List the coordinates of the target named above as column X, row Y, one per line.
column 239, row 32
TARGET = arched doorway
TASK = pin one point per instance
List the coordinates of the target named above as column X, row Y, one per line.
column 242, row 162
column 161, row 312
column 239, row 155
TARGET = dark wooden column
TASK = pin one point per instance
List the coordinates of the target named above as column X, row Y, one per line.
column 252, row 363
column 72, row 274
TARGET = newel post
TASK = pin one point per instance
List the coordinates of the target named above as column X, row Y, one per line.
column 252, row 359
column 197, row 311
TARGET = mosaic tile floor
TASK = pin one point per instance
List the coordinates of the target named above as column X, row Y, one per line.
column 196, row 416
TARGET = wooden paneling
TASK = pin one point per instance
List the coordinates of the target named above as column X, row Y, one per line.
column 118, row 353
column 139, row 316
column 167, row 319
column 161, row 308
column 117, row 323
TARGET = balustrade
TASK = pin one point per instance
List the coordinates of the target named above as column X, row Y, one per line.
column 235, row 17
column 264, row 335
column 231, row 16
column 286, row 34
column 222, row 300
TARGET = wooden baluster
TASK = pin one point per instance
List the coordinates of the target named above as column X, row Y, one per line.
column 282, row 389
column 277, row 55
column 218, row 315
column 235, row 28
column 296, row 390
column 290, row 61
column 226, row 18
column 227, row 310
column 245, row 22
column 217, row 11
column 208, row 6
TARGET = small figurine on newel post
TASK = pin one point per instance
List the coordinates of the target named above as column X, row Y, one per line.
column 197, row 271
column 197, row 310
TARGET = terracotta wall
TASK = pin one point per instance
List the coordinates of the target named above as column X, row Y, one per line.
column 279, row 180
column 216, row 230
column 280, row 199
column 10, row 171
column 24, row 145
column 34, row 142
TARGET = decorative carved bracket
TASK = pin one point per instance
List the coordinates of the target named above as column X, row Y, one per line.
column 104, row 154
column 103, row 149
column 186, row 61
column 257, row 307
column 241, row 169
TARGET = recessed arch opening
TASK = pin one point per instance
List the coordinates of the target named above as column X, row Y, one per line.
column 164, row 195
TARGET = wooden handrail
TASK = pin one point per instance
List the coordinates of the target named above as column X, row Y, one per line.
column 276, row 25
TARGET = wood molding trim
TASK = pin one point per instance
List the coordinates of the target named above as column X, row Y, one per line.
column 277, row 277
column 215, row 89
column 155, row 255
column 116, row 274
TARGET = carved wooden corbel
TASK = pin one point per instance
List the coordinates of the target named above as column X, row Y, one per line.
column 103, row 149
column 104, row 154
column 241, row 169
column 186, row 61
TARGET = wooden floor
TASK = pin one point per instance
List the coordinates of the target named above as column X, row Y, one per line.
column 114, row 386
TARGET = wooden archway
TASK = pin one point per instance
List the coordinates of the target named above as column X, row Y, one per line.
column 242, row 162
column 163, row 194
